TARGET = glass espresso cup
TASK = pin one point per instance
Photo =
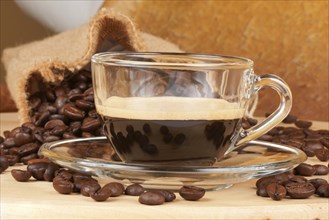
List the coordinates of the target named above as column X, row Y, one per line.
column 179, row 108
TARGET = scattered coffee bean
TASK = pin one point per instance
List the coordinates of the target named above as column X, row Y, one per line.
column 134, row 189
column 262, row 192
column 164, row 130
column 276, row 191
column 318, row 182
column 179, row 139
column 49, row 174
column 321, row 169
column 3, row 163
column 303, row 124
column 116, row 188
column 191, row 193
column 101, row 194
column 300, row 190
column 89, row 187
column 63, row 186
column 168, row 195
column 151, row 198
column 323, row 190
column 263, row 182
column 322, row 154
column 21, row 175
column 147, row 128
column 305, row 169
column 12, row 159
column 290, row 119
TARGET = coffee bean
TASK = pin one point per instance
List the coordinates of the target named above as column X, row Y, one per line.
column 73, row 113
column 276, row 191
column 151, row 198
column 63, row 186
column 167, row 138
column 101, row 194
column 147, row 128
column 89, row 187
column 262, row 192
column 322, row 154
column 22, row 138
column 34, row 101
column 63, row 174
column 50, row 95
column 168, row 195
column 51, row 138
column 60, row 91
column 90, row 124
column 29, row 125
column 323, row 190
column 296, row 143
column 191, row 193
column 179, row 139
column 300, row 190
column 3, row 163
column 84, row 105
column 60, row 102
column 274, row 131
column 1, row 139
column 89, row 98
column 116, row 188
column 325, row 142
column 21, row 175
column 321, row 169
column 290, row 119
column 93, row 113
column 27, row 158
column 303, row 124
column 38, row 134
column 12, row 159
column 59, row 130
column 25, row 149
column 305, row 169
column 311, row 146
column 50, row 172
column 295, row 179
column 53, row 123
column 68, row 135
column 263, row 182
column 81, row 85
column 42, row 118
column 9, row 142
column 134, row 189
column 164, row 130
column 317, row 182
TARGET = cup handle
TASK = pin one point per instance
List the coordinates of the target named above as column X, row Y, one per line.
column 276, row 117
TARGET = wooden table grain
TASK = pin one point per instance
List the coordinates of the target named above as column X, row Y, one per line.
column 38, row 200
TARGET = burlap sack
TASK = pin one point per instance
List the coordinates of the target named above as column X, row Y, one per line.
column 30, row 65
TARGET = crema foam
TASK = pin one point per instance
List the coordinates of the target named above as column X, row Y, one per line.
column 169, row 108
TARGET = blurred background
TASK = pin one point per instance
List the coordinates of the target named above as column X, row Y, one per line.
column 287, row 38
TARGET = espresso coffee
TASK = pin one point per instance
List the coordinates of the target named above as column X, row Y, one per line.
column 170, row 129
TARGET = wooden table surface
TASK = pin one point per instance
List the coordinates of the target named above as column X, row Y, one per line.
column 38, row 200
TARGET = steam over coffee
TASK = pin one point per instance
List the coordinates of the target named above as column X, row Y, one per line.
column 168, row 129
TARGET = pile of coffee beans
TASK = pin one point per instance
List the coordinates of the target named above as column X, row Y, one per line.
column 288, row 185
column 65, row 181
column 57, row 111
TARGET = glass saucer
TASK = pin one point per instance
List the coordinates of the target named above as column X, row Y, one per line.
column 95, row 156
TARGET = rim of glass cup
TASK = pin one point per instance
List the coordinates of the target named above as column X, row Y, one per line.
column 206, row 61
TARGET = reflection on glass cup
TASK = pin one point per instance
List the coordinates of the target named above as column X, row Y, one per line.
column 179, row 109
